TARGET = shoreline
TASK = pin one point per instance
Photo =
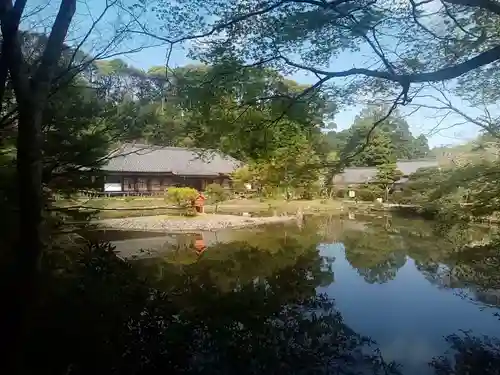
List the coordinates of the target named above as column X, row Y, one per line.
column 206, row 222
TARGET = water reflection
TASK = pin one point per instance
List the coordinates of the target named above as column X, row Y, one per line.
column 241, row 308
column 303, row 300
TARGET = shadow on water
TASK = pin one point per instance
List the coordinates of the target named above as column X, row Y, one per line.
column 275, row 300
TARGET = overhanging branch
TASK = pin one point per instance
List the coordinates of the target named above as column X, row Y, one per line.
column 444, row 74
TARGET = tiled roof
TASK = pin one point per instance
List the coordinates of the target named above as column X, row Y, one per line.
column 360, row 175
column 176, row 160
column 411, row 166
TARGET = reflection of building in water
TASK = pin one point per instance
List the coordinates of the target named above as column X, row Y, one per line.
column 299, row 218
column 160, row 244
column 490, row 297
column 199, row 244
column 332, row 228
column 143, row 247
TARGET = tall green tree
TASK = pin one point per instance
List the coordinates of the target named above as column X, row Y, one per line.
column 247, row 112
column 420, row 147
column 365, row 149
column 387, row 175
column 390, row 141
column 288, row 169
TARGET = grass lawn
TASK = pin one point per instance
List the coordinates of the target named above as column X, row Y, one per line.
column 271, row 206
column 119, row 207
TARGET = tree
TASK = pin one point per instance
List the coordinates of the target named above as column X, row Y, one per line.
column 378, row 151
column 421, row 147
column 390, row 141
column 288, row 169
column 307, row 35
column 387, row 175
column 243, row 176
column 31, row 94
column 246, row 113
column 216, row 194
column 33, row 67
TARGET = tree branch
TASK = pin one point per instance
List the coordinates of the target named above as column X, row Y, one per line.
column 444, row 74
column 14, row 60
column 44, row 74
column 446, row 105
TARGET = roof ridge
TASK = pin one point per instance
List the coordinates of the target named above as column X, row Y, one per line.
column 357, row 167
column 151, row 148
column 419, row 159
column 397, row 161
column 145, row 145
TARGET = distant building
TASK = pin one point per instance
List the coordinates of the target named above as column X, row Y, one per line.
column 365, row 175
column 145, row 168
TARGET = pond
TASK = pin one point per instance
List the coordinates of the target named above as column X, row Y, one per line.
column 404, row 283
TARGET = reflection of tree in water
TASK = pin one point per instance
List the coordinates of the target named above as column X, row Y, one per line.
column 247, row 307
column 384, row 271
column 475, row 269
column 438, row 274
column 243, row 309
column 380, row 249
column 375, row 254
column 442, row 255
column 478, row 265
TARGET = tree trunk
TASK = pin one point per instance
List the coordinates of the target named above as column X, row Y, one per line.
column 3, row 77
column 31, row 96
column 24, row 271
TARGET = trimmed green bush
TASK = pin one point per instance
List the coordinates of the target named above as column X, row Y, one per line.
column 341, row 193
column 181, row 196
column 366, row 195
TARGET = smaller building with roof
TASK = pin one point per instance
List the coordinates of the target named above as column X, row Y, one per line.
column 145, row 168
column 364, row 175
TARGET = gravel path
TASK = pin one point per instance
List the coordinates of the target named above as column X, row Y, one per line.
column 200, row 223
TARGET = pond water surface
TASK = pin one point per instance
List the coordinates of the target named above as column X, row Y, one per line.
column 404, row 283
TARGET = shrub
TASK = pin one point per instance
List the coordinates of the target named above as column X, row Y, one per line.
column 340, row 193
column 270, row 191
column 400, row 197
column 216, row 194
column 181, row 196
column 366, row 195
column 397, row 197
column 308, row 191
